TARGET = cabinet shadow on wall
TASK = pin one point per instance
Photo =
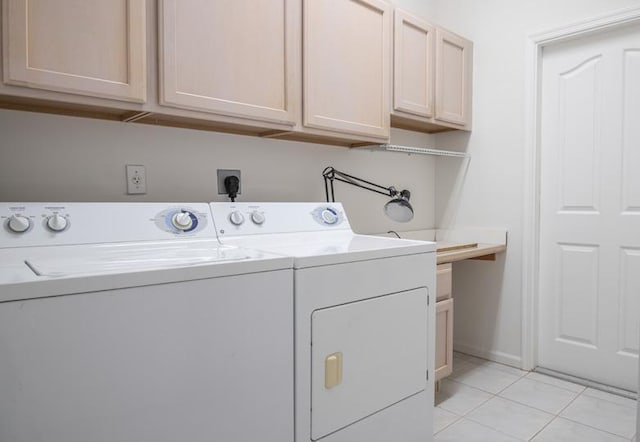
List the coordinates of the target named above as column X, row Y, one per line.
column 451, row 173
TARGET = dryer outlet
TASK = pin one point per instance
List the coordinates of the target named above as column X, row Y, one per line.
column 222, row 174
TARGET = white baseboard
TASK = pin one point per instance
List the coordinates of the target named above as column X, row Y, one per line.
column 491, row 355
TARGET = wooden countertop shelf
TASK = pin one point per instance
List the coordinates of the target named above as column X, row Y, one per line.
column 452, row 252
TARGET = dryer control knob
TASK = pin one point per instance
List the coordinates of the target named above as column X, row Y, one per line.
column 19, row 223
column 236, row 218
column 329, row 216
column 182, row 220
column 57, row 223
column 257, row 217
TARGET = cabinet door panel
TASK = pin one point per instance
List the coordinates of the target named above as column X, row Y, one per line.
column 231, row 57
column 346, row 66
column 443, row 281
column 444, row 338
column 413, row 65
column 454, row 58
column 87, row 47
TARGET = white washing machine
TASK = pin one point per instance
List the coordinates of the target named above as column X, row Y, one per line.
column 130, row 322
column 364, row 320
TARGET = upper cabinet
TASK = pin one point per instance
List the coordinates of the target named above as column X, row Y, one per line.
column 432, row 81
column 327, row 71
column 346, row 67
column 454, row 70
column 237, row 58
column 413, row 65
column 94, row 48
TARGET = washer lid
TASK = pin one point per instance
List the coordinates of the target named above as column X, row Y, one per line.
column 132, row 257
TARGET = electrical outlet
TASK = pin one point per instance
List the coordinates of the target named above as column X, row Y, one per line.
column 222, row 174
column 136, row 179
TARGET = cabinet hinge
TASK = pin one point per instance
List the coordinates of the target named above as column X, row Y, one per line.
column 427, row 375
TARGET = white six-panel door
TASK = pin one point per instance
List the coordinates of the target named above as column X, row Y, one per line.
column 589, row 302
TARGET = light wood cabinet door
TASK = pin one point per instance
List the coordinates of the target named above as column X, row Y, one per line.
column 454, row 70
column 87, row 47
column 444, row 274
column 444, row 338
column 346, row 68
column 231, row 57
column 413, row 69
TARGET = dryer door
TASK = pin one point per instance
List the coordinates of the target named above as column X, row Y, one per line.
column 366, row 356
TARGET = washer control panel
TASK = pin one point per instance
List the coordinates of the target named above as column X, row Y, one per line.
column 233, row 219
column 180, row 220
column 25, row 219
column 35, row 224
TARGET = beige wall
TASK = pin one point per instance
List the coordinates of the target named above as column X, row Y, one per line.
column 57, row 158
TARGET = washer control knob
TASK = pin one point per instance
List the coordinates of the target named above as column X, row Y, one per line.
column 257, row 217
column 57, row 223
column 182, row 220
column 19, row 223
column 236, row 218
column 329, row 216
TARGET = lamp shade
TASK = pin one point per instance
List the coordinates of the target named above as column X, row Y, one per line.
column 399, row 208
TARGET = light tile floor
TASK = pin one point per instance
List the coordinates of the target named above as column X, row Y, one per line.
column 486, row 401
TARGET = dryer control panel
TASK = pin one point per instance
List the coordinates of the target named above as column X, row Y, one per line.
column 38, row 224
column 239, row 219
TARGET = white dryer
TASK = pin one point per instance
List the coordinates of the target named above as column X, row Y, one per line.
column 364, row 320
column 131, row 323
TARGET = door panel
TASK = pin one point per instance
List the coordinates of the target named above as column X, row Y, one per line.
column 580, row 104
column 629, row 302
column 631, row 135
column 413, row 65
column 383, row 360
column 454, row 66
column 444, row 338
column 252, row 77
column 87, row 47
column 346, row 60
column 577, row 307
column 589, row 289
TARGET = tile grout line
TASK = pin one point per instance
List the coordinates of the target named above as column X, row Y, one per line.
column 480, row 404
column 540, row 409
column 582, row 423
column 494, row 429
column 542, row 429
column 556, row 415
column 458, row 417
column 586, row 383
column 520, row 378
column 554, row 385
column 481, row 366
column 496, row 395
column 607, row 400
column 526, row 406
column 594, row 428
column 490, row 392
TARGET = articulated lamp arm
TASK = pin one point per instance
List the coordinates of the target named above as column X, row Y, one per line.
column 398, row 209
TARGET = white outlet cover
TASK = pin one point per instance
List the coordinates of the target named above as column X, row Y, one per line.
column 136, row 179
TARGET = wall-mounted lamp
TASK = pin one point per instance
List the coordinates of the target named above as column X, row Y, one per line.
column 398, row 209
